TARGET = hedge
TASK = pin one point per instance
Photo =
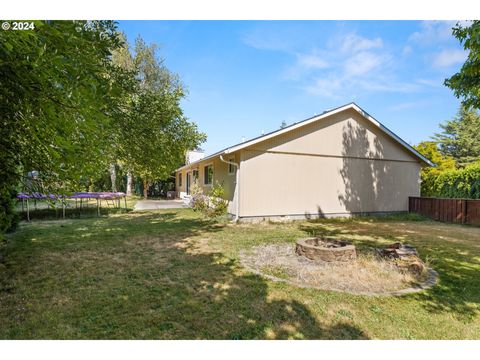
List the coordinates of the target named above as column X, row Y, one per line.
column 458, row 183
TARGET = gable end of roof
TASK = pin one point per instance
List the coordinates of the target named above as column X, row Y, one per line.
column 315, row 118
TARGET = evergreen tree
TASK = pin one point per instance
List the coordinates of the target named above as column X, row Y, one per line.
column 460, row 138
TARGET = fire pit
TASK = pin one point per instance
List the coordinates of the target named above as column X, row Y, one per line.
column 326, row 249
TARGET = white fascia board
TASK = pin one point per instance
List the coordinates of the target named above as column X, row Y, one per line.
column 309, row 121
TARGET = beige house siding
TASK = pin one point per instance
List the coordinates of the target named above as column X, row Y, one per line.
column 338, row 166
column 220, row 175
column 285, row 184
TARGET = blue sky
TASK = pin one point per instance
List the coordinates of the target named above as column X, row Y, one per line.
column 245, row 77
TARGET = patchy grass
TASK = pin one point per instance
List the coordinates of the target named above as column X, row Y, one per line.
column 173, row 275
column 369, row 274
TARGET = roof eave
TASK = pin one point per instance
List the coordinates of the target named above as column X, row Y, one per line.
column 325, row 114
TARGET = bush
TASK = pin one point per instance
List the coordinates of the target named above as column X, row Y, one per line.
column 458, row 183
column 212, row 204
column 198, row 200
column 8, row 217
column 218, row 205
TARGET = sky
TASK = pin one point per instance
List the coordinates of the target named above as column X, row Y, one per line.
column 247, row 77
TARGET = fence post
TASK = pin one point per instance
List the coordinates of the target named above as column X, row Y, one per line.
column 464, row 212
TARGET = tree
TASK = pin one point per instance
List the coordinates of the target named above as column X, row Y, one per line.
column 466, row 83
column 430, row 150
column 122, row 58
column 460, row 138
column 155, row 134
column 58, row 94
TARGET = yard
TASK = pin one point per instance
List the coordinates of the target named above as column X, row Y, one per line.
column 170, row 274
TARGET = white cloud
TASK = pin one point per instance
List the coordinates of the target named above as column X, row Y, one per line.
column 326, row 87
column 351, row 64
column 353, row 43
column 407, row 50
column 363, row 63
column 312, row 61
column 407, row 105
column 449, row 57
column 430, row 82
column 347, row 64
column 434, row 32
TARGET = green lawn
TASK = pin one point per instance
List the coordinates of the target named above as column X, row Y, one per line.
column 172, row 275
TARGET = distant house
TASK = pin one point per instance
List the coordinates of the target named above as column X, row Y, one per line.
column 339, row 163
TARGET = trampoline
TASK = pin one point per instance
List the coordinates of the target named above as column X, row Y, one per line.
column 81, row 198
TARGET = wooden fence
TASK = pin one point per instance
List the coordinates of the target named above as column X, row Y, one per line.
column 461, row 211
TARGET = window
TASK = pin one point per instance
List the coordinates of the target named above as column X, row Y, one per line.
column 195, row 175
column 179, row 179
column 231, row 168
column 208, row 175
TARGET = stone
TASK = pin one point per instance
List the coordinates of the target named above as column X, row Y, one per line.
column 405, row 256
column 326, row 249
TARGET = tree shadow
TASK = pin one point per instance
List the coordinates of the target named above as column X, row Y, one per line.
column 161, row 283
column 458, row 288
column 458, row 291
column 363, row 176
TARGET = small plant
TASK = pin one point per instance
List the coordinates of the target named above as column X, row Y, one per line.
column 198, row 200
column 218, row 205
column 212, row 204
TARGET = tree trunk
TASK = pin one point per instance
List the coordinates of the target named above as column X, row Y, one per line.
column 129, row 183
column 113, row 177
column 145, row 188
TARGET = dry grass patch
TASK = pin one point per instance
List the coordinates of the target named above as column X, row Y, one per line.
column 367, row 275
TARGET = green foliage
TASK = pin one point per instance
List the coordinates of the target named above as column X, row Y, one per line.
column 58, row 94
column 198, row 200
column 460, row 138
column 211, row 204
column 218, row 205
column 102, row 180
column 457, row 183
column 430, row 150
column 154, row 135
column 8, row 217
column 466, row 83
column 73, row 101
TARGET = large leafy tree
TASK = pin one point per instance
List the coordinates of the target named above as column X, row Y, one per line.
column 466, row 83
column 155, row 134
column 122, row 58
column 460, row 138
column 59, row 92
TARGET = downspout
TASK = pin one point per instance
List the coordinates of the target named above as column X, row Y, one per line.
column 237, row 179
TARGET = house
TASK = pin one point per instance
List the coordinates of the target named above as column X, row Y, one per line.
column 339, row 163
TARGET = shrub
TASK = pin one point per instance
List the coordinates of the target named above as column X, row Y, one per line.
column 218, row 205
column 8, row 217
column 198, row 200
column 457, row 183
column 212, row 204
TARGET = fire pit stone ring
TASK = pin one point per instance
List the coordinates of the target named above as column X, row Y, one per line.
column 326, row 249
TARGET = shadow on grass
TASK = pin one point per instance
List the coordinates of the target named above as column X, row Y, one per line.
column 458, row 291
column 147, row 280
